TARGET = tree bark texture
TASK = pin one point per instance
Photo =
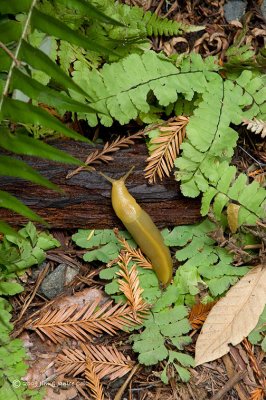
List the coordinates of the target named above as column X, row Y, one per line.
column 86, row 201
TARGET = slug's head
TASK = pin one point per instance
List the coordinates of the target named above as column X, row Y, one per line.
column 120, row 181
column 124, row 205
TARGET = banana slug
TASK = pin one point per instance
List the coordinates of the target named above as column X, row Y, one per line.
column 141, row 227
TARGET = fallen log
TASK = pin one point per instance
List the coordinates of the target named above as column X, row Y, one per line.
column 86, row 201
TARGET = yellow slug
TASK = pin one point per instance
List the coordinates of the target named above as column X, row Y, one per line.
column 141, row 227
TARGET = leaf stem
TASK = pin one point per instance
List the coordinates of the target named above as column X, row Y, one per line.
column 11, row 55
column 15, row 57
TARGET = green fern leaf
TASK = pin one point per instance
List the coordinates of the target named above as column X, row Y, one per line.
column 210, row 140
column 250, row 197
column 125, row 98
column 88, row 9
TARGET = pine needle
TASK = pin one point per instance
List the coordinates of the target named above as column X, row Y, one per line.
column 108, row 361
column 81, row 323
column 257, row 394
column 135, row 254
column 256, row 126
column 130, row 287
column 93, row 381
column 199, row 313
column 165, row 149
column 71, row 362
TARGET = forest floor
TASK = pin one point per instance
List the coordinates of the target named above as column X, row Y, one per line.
column 231, row 377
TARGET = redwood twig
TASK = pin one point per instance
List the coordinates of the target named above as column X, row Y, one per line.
column 9, row 53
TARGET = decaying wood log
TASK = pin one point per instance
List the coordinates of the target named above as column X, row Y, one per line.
column 86, row 201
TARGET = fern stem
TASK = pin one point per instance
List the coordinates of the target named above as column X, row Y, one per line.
column 15, row 57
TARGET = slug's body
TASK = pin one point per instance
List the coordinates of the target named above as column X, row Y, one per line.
column 142, row 229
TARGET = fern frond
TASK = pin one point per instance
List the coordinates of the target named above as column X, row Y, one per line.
column 227, row 188
column 256, row 126
column 140, row 23
column 135, row 254
column 81, row 323
column 124, row 98
column 164, row 149
column 210, row 139
column 129, row 285
column 93, row 381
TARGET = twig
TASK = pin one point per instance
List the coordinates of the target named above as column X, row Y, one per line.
column 39, row 281
column 11, row 55
column 120, row 392
column 101, row 155
column 229, row 385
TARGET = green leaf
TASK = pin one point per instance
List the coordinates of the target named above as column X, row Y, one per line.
column 88, row 9
column 40, row 61
column 12, row 203
column 9, row 31
column 218, row 286
column 106, row 253
column 109, row 273
column 46, row 95
column 10, row 288
column 150, row 345
column 26, row 113
column 89, row 238
column 29, row 231
column 12, row 167
column 257, row 336
column 14, row 6
column 23, row 144
column 183, row 373
column 184, row 359
column 55, row 27
column 46, row 241
column 7, row 230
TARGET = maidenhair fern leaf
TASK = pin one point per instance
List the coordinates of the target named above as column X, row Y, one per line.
column 211, row 140
column 226, row 189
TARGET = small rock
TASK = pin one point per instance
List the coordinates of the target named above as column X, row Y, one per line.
column 54, row 283
column 234, row 9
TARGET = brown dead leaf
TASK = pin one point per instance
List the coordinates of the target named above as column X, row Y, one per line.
column 233, row 317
